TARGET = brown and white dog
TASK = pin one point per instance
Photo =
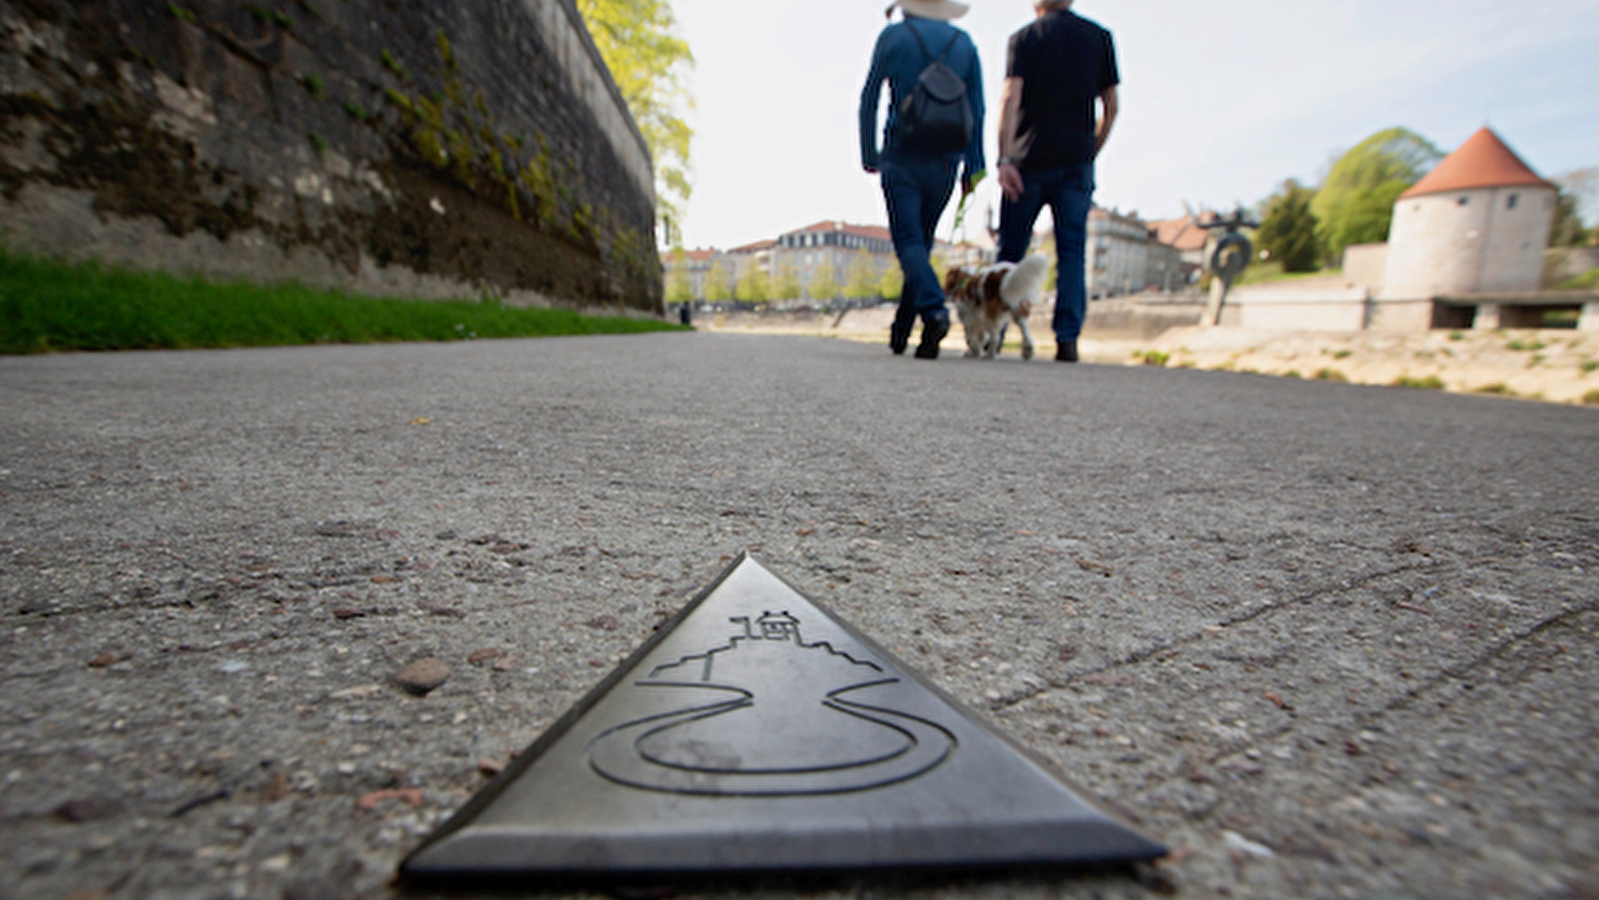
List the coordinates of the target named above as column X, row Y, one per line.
column 987, row 296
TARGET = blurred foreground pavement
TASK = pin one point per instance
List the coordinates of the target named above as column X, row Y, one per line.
column 1323, row 640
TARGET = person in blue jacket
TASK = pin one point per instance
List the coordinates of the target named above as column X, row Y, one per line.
column 917, row 185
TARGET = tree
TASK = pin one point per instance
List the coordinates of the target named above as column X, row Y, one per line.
column 892, row 283
column 718, row 286
column 1288, row 229
column 862, row 277
column 649, row 62
column 787, row 284
column 1356, row 202
column 754, row 286
column 824, row 284
column 1568, row 229
column 679, row 287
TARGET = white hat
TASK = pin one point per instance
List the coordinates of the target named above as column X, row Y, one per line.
column 930, row 9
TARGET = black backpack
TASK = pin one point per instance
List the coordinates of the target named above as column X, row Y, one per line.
column 936, row 118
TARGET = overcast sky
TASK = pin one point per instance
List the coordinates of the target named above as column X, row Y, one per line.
column 1221, row 101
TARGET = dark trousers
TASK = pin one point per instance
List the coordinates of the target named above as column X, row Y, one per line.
column 1069, row 193
column 917, row 189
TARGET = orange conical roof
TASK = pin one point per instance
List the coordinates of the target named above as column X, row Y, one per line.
column 1483, row 161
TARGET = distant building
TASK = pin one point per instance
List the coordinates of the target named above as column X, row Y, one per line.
column 832, row 247
column 1126, row 256
column 1117, row 249
column 1465, row 249
column 1189, row 238
column 967, row 255
column 697, row 263
column 1478, row 222
column 833, row 237
column 1165, row 271
column 750, row 257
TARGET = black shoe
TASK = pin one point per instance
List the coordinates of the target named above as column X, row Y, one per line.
column 933, row 331
column 899, row 337
column 1065, row 351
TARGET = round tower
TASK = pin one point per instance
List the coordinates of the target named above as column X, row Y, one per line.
column 1478, row 222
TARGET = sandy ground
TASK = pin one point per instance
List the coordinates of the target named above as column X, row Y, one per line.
column 1549, row 365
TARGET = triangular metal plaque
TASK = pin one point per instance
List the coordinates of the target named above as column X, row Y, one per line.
column 756, row 732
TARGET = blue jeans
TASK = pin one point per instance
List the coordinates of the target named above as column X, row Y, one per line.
column 917, row 189
column 1069, row 193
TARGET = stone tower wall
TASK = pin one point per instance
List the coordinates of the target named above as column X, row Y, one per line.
column 1468, row 241
column 1517, row 238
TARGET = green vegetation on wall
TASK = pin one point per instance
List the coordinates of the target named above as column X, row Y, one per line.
column 454, row 132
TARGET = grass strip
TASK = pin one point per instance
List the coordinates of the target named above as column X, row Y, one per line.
column 50, row 306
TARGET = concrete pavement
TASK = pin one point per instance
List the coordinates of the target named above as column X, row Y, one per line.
column 1324, row 640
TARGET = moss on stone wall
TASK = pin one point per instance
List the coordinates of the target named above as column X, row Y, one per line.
column 277, row 119
column 457, row 134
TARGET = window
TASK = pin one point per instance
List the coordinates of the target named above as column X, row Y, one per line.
column 1465, row 201
column 1510, row 202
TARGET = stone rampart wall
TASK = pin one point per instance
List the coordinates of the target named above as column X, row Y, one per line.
column 1562, row 263
column 428, row 148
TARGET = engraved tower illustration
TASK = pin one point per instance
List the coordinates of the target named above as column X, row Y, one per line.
column 768, row 714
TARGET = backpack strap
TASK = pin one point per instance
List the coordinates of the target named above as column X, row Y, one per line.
column 923, row 44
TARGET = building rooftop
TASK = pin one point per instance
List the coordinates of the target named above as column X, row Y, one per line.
column 1483, row 161
column 1183, row 233
column 871, row 231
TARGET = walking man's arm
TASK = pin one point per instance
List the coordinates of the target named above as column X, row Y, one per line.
column 1010, row 100
column 1109, row 105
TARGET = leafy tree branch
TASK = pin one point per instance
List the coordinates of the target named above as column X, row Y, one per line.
column 649, row 63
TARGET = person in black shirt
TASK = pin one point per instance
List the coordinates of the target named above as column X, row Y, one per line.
column 1057, row 107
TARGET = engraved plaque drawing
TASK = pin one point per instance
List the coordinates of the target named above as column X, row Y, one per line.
column 757, row 732
column 818, row 733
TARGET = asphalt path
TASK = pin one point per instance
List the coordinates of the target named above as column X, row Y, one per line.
column 1323, row 640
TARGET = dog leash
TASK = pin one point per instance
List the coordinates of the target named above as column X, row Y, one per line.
column 960, row 208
